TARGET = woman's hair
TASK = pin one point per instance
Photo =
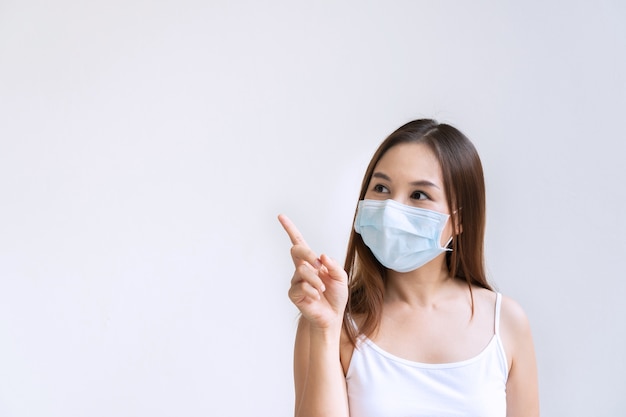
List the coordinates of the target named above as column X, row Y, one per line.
column 465, row 191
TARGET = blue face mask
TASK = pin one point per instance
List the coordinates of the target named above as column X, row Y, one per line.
column 401, row 237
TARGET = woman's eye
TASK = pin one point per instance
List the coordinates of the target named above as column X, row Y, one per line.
column 418, row 195
column 379, row 188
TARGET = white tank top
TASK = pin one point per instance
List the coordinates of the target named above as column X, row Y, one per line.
column 383, row 385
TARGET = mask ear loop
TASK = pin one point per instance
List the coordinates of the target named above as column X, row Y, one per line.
column 446, row 246
column 458, row 228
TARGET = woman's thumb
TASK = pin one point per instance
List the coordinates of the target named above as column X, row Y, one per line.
column 335, row 271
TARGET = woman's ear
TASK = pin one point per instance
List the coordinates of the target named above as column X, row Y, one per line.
column 457, row 222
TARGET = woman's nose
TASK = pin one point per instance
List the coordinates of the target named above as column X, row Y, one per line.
column 398, row 198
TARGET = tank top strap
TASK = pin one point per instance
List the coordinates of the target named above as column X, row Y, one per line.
column 497, row 314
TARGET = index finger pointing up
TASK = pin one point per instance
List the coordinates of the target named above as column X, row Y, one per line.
column 292, row 231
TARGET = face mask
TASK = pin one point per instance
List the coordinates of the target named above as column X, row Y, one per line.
column 401, row 237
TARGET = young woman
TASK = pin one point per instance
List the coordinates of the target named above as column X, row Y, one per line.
column 410, row 326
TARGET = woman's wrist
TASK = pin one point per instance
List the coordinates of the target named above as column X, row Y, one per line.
column 329, row 334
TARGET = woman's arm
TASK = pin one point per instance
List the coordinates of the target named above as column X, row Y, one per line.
column 522, row 391
column 319, row 289
column 320, row 385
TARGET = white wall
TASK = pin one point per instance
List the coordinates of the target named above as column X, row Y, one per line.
column 146, row 148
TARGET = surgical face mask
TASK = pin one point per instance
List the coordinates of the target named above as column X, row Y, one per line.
column 401, row 237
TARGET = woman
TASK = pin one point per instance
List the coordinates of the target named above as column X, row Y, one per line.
column 411, row 327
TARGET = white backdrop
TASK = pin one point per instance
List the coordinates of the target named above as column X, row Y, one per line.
column 146, row 148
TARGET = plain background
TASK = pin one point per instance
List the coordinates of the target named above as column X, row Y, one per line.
column 146, row 148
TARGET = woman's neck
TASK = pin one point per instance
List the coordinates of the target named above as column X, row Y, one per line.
column 424, row 287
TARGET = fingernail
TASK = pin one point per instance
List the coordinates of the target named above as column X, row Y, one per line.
column 323, row 288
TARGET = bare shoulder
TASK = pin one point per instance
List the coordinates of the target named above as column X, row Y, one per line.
column 484, row 301
column 513, row 319
column 515, row 330
column 522, row 393
column 484, row 296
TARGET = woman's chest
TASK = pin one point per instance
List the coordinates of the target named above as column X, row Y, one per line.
column 434, row 338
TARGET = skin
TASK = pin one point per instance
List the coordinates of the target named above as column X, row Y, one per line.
column 424, row 304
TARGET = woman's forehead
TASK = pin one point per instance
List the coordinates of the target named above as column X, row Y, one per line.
column 410, row 161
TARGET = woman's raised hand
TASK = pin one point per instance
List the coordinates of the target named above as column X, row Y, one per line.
column 319, row 287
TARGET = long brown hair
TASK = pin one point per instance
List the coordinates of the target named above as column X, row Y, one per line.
column 465, row 191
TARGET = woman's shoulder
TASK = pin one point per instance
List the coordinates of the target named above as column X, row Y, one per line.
column 511, row 312
column 515, row 331
column 483, row 300
column 518, row 343
column 512, row 315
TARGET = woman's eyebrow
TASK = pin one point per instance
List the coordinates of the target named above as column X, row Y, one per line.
column 420, row 183
column 381, row 176
column 424, row 183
